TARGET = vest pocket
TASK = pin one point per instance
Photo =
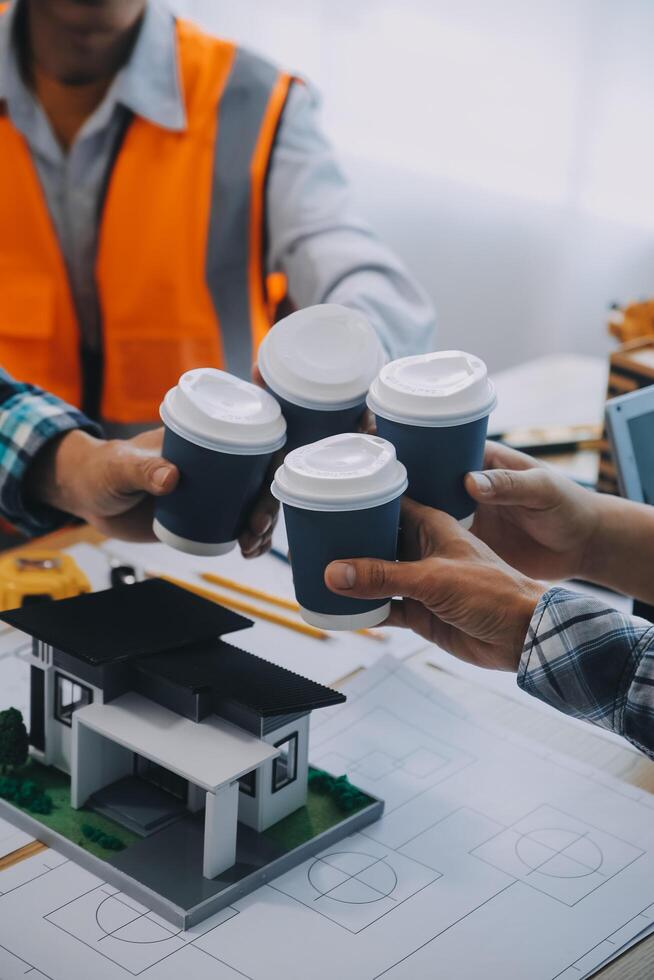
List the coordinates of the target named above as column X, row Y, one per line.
column 27, row 328
column 27, row 308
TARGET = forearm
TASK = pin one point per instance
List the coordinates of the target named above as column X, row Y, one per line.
column 328, row 253
column 620, row 554
column 354, row 269
column 592, row 662
column 55, row 475
column 30, row 421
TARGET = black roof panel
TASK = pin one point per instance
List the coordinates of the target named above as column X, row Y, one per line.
column 126, row 622
column 232, row 675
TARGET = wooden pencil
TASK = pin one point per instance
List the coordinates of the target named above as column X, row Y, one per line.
column 274, row 600
column 247, row 607
column 228, row 583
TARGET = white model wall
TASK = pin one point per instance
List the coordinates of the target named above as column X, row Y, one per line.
column 504, row 148
column 267, row 808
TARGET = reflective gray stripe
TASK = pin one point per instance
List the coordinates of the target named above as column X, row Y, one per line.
column 240, row 116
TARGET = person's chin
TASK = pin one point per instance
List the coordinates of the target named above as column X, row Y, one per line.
column 85, row 68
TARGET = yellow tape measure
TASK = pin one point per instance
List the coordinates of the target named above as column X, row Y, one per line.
column 39, row 573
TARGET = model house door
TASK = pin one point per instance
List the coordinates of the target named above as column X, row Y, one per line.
column 160, row 777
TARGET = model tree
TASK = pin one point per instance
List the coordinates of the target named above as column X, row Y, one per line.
column 13, row 740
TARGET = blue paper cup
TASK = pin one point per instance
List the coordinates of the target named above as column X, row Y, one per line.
column 206, row 512
column 316, row 538
column 341, row 499
column 318, row 363
column 437, row 459
column 305, row 425
column 434, row 409
column 221, row 433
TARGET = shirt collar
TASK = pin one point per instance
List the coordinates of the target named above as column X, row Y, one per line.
column 148, row 85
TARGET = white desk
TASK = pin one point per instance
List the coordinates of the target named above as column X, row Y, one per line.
column 560, row 389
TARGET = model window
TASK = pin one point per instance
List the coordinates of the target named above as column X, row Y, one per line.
column 285, row 765
column 248, row 783
column 69, row 696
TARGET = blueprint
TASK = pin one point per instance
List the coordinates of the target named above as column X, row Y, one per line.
column 494, row 858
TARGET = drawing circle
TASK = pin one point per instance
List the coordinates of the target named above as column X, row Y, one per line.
column 385, row 882
column 115, row 933
column 538, row 849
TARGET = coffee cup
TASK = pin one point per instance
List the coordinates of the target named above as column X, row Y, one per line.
column 341, row 499
column 434, row 408
column 221, row 433
column 318, row 363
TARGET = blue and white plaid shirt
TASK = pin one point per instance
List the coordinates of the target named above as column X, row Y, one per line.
column 592, row 662
column 30, row 418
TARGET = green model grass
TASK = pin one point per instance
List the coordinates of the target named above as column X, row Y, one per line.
column 323, row 810
column 63, row 818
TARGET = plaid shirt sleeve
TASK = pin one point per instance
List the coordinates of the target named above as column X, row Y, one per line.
column 29, row 418
column 592, row 662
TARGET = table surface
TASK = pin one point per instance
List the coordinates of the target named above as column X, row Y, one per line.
column 580, row 383
column 638, row 962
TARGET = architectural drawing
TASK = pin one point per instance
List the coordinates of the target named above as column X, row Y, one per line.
column 557, row 854
column 480, row 831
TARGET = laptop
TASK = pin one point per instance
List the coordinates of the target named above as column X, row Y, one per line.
column 630, row 426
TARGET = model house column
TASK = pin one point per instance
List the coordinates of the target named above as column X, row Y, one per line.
column 96, row 762
column 220, row 819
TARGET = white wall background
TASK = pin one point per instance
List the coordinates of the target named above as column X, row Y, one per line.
column 505, row 149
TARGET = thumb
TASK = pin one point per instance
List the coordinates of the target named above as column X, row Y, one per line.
column 371, row 578
column 134, row 471
column 533, row 488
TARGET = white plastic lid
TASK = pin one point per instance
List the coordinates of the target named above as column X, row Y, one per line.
column 322, row 357
column 213, row 409
column 442, row 388
column 344, row 472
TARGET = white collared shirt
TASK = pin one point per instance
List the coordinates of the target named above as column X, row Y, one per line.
column 314, row 236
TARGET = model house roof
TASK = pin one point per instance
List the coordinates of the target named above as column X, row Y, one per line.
column 232, row 675
column 209, row 753
column 170, row 640
column 126, row 622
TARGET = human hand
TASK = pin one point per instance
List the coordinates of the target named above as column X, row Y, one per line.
column 531, row 516
column 256, row 539
column 257, row 377
column 367, row 423
column 111, row 484
column 455, row 591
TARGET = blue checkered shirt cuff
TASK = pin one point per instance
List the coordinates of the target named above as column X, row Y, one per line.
column 592, row 662
column 30, row 418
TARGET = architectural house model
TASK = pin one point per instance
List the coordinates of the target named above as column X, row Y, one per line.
column 197, row 749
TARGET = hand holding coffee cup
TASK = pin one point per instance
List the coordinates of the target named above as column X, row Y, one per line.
column 318, row 363
column 221, row 433
column 434, row 408
column 341, row 498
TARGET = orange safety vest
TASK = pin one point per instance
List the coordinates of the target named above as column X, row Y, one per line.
column 180, row 261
